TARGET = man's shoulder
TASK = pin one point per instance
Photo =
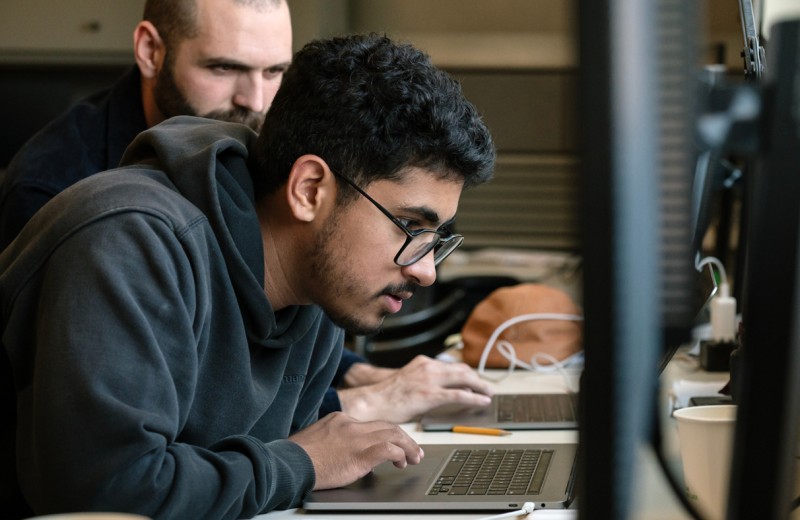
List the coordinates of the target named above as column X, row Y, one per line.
column 138, row 188
column 66, row 150
column 124, row 199
column 87, row 138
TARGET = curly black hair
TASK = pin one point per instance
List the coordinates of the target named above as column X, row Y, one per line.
column 371, row 107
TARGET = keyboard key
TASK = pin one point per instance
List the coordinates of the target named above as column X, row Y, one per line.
column 509, row 471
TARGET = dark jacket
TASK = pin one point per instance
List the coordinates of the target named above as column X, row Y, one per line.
column 89, row 138
column 150, row 373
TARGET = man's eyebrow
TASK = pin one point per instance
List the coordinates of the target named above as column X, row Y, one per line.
column 224, row 61
column 235, row 64
column 429, row 215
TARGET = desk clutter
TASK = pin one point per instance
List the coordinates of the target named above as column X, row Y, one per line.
column 464, row 280
column 526, row 320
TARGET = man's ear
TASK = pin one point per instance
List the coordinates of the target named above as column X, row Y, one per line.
column 311, row 188
column 148, row 49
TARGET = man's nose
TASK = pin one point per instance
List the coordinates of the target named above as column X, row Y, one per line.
column 250, row 92
column 423, row 271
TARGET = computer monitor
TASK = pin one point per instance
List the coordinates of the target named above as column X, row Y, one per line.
column 716, row 189
column 635, row 155
column 767, row 383
column 717, row 184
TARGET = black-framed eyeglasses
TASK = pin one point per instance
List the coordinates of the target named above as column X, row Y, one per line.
column 419, row 242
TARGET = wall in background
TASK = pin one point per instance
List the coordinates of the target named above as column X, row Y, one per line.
column 516, row 60
column 68, row 31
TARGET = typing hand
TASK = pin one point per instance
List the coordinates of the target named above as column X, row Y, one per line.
column 343, row 449
column 400, row 395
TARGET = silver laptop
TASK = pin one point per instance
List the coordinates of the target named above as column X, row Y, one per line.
column 509, row 412
column 548, row 411
column 475, row 477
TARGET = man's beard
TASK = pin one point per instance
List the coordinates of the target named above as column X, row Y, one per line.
column 327, row 270
column 324, row 268
column 171, row 102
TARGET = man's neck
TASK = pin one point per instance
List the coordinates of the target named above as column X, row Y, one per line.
column 152, row 115
column 280, row 265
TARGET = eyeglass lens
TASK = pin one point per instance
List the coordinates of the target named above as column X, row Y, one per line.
column 422, row 244
column 417, row 245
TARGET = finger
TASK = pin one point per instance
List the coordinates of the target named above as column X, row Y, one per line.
column 467, row 379
column 460, row 396
column 411, row 451
column 400, row 456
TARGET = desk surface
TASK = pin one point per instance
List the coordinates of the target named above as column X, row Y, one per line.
column 653, row 499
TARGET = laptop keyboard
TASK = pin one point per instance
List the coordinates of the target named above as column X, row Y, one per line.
column 493, row 472
column 537, row 408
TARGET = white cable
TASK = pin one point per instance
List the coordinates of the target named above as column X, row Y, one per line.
column 554, row 514
column 506, row 349
column 517, row 319
column 557, row 366
column 699, row 263
column 527, row 508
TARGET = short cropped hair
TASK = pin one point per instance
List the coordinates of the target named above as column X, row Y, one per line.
column 176, row 20
column 371, row 107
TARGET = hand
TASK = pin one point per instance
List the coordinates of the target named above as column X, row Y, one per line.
column 343, row 449
column 403, row 394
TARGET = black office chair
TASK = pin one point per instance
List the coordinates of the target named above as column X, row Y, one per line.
column 428, row 319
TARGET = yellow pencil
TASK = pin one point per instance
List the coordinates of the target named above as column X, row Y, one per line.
column 479, row 431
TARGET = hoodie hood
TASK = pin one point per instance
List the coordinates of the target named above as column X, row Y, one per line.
column 206, row 160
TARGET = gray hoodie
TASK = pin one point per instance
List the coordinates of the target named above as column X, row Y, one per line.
column 143, row 368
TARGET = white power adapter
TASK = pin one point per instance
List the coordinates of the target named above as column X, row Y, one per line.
column 715, row 353
column 723, row 315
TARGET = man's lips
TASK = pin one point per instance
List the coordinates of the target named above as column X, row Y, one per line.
column 395, row 301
